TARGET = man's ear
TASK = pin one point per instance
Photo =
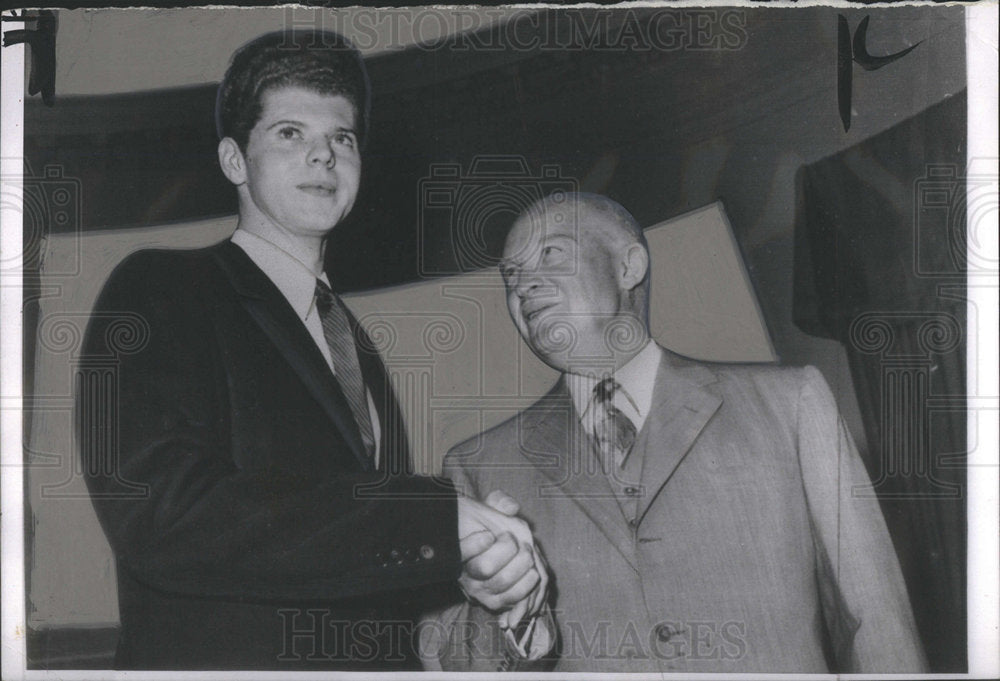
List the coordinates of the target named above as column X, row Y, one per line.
column 232, row 161
column 635, row 264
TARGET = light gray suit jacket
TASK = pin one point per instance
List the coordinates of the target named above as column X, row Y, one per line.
column 757, row 545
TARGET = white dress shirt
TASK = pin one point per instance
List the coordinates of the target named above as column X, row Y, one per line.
column 297, row 283
column 637, row 379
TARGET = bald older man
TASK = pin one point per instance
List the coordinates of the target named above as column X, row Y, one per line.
column 696, row 517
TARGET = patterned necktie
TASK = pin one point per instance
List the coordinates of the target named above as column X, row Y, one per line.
column 337, row 331
column 613, row 430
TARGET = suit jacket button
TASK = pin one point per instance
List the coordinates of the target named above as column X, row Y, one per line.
column 633, row 523
column 426, row 552
column 664, row 632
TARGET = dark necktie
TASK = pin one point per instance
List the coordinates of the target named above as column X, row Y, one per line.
column 613, row 430
column 337, row 331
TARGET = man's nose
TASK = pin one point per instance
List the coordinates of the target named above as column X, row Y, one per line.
column 526, row 281
column 322, row 152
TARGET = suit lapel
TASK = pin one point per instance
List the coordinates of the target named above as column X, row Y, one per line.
column 271, row 311
column 563, row 452
column 680, row 409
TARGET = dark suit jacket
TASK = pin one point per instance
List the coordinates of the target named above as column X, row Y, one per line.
column 250, row 529
column 756, row 544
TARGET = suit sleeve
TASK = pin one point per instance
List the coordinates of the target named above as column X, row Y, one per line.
column 863, row 595
column 465, row 637
column 181, row 515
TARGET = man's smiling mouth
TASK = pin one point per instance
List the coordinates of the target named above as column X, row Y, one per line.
column 318, row 189
column 531, row 310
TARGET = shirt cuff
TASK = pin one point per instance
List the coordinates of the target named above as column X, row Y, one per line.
column 531, row 640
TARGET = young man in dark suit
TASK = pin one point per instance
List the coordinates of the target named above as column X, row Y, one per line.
column 240, row 437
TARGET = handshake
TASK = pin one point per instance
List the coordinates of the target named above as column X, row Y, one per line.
column 503, row 570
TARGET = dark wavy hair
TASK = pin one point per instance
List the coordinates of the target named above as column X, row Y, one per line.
column 321, row 61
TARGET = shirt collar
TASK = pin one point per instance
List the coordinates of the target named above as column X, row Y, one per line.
column 637, row 379
column 294, row 279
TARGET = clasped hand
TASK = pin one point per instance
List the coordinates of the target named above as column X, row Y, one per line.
column 503, row 570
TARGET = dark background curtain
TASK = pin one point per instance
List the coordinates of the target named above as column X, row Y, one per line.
column 880, row 265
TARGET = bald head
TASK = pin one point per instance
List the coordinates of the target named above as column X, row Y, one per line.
column 576, row 267
column 595, row 220
column 600, row 217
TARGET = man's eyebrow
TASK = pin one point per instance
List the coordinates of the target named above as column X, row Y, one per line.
column 286, row 121
column 554, row 237
column 300, row 124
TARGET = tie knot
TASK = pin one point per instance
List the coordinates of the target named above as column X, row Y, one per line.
column 324, row 296
column 605, row 390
